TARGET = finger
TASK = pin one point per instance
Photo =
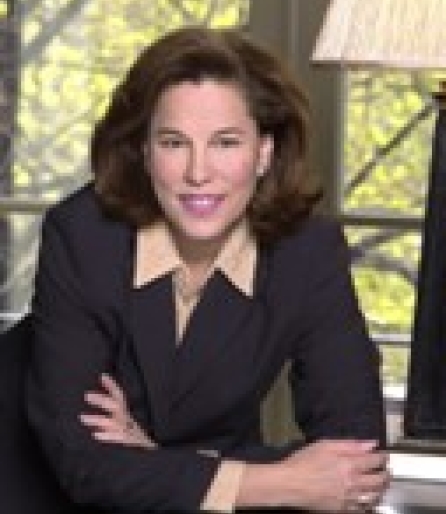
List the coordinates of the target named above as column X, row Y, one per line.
column 354, row 506
column 122, row 438
column 97, row 421
column 371, row 490
column 351, row 446
column 112, row 387
column 378, row 481
column 371, row 462
column 104, row 402
column 364, row 501
column 113, row 436
column 367, row 502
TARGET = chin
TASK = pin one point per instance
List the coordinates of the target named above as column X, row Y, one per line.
column 204, row 234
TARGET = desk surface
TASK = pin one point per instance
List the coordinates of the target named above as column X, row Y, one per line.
column 414, row 497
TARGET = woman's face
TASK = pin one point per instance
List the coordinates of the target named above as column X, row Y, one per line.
column 204, row 155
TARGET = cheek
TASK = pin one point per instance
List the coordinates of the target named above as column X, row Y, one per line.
column 241, row 173
column 164, row 172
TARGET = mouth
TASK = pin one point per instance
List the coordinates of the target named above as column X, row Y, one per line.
column 201, row 205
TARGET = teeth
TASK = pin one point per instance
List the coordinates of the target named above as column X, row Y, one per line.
column 201, row 201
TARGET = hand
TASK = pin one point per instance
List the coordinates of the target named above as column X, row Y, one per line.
column 338, row 476
column 115, row 424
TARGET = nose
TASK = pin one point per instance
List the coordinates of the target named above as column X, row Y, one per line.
column 198, row 171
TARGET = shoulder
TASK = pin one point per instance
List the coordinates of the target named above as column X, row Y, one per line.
column 82, row 204
column 309, row 273
column 314, row 239
column 80, row 241
column 80, row 214
column 312, row 255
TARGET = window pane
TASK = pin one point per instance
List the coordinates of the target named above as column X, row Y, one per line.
column 18, row 252
column 388, row 129
column 395, row 360
column 388, row 134
column 385, row 263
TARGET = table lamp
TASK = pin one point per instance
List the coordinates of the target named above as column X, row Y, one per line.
column 408, row 35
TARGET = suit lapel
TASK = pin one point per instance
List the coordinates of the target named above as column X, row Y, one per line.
column 221, row 310
column 153, row 327
column 172, row 372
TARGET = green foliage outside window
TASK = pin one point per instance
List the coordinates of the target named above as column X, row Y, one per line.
column 389, row 120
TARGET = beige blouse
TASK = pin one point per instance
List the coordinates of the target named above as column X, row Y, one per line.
column 156, row 256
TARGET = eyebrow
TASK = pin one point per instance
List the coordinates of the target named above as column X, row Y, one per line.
column 230, row 130
column 168, row 131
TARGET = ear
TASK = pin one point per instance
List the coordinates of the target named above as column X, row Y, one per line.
column 265, row 154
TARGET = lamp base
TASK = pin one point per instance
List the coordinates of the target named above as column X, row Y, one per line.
column 425, row 406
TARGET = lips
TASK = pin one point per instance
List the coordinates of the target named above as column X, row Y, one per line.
column 201, row 204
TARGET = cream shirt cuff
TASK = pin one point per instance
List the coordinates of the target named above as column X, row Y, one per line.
column 222, row 493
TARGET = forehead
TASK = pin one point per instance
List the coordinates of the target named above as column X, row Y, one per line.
column 205, row 100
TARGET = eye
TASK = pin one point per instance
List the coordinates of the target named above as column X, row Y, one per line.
column 228, row 141
column 171, row 142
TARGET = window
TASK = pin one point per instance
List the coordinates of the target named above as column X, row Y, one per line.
column 63, row 57
column 388, row 123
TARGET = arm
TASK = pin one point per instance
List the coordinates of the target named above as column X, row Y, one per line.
column 336, row 390
column 335, row 384
column 335, row 374
column 331, row 475
column 74, row 345
column 328, row 476
column 111, row 421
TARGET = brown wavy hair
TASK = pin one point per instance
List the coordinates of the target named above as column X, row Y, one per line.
column 283, row 196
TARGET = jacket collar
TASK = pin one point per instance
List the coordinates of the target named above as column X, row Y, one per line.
column 157, row 256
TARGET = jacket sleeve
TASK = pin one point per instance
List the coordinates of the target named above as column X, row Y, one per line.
column 73, row 344
column 335, row 373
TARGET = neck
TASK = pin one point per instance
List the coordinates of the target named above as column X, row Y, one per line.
column 198, row 255
column 198, row 258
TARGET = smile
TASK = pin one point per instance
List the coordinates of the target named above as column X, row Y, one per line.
column 201, row 204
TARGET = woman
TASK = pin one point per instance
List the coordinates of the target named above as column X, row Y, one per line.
column 171, row 291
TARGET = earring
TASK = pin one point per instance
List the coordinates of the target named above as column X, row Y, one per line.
column 260, row 171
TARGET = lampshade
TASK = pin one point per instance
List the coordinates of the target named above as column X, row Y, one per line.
column 407, row 34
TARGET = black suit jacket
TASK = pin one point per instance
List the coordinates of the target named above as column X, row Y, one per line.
column 205, row 394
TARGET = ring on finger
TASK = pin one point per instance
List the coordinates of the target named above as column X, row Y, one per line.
column 355, row 507
column 365, row 499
